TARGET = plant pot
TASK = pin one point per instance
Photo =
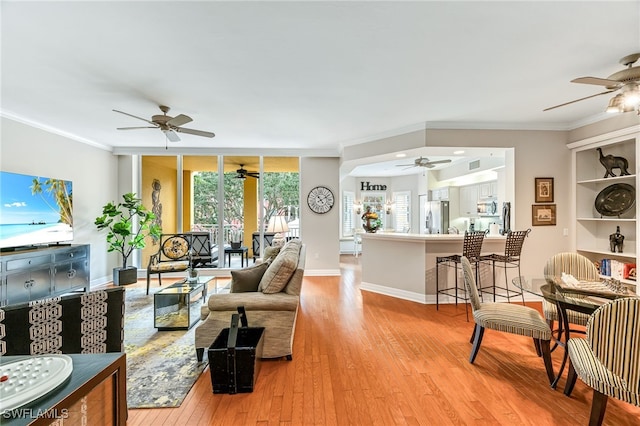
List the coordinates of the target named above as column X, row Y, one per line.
column 236, row 245
column 123, row 276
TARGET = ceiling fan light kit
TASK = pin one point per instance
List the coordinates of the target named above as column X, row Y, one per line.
column 167, row 124
column 627, row 81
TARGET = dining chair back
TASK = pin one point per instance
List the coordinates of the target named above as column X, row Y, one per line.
column 508, row 318
column 608, row 360
column 570, row 263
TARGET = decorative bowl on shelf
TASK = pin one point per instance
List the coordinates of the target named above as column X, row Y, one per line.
column 615, row 199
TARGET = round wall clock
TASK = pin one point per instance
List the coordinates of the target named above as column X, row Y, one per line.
column 320, row 199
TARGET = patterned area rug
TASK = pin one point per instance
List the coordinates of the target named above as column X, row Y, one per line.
column 161, row 365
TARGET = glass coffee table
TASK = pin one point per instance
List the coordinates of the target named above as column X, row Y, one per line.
column 177, row 307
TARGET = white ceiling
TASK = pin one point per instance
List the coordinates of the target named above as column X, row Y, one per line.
column 306, row 75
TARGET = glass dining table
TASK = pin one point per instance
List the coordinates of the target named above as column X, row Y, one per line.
column 564, row 299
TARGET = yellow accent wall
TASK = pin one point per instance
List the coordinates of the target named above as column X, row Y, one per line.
column 250, row 210
column 164, row 170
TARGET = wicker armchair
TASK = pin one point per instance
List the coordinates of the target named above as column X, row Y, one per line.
column 608, row 360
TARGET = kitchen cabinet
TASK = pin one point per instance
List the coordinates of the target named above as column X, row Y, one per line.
column 43, row 272
column 592, row 229
column 440, row 194
column 488, row 189
column 468, row 200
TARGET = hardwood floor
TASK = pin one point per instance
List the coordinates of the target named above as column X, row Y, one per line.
column 364, row 358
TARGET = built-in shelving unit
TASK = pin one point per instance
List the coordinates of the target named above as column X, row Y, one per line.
column 592, row 230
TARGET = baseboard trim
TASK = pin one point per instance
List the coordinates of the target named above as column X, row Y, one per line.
column 430, row 299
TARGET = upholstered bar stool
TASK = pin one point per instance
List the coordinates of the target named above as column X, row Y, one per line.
column 471, row 249
column 510, row 259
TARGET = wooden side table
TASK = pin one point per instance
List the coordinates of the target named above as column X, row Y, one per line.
column 243, row 251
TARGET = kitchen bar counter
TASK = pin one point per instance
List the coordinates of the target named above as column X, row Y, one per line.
column 404, row 265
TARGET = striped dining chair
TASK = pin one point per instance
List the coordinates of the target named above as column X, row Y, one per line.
column 608, row 359
column 578, row 266
column 509, row 318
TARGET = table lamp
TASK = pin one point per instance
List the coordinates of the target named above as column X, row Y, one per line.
column 278, row 224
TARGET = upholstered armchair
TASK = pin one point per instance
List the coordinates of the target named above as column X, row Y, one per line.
column 508, row 318
column 608, row 359
column 578, row 266
column 176, row 252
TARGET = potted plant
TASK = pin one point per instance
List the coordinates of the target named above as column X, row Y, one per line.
column 122, row 238
column 371, row 220
column 235, row 238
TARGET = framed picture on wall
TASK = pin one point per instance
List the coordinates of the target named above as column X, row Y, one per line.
column 544, row 190
column 543, row 214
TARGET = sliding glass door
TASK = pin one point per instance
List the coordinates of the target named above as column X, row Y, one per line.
column 231, row 197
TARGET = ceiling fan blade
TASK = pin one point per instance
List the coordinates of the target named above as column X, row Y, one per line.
column 578, row 100
column 195, row 132
column 597, row 81
column 135, row 116
column 179, row 120
column 171, row 135
column 134, row 128
column 405, row 165
column 438, row 162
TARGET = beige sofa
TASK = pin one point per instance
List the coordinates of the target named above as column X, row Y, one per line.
column 276, row 312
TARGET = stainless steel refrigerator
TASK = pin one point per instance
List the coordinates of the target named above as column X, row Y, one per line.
column 434, row 217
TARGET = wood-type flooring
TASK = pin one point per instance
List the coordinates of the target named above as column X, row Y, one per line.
column 361, row 358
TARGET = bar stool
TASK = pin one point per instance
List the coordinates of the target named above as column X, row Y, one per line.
column 357, row 241
column 510, row 259
column 471, row 248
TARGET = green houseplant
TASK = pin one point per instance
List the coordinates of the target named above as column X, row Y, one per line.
column 119, row 220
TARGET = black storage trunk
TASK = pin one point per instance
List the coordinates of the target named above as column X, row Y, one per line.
column 234, row 358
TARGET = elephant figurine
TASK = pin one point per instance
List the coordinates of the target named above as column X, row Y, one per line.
column 611, row 162
column 616, row 240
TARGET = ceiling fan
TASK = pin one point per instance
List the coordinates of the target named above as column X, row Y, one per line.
column 423, row 162
column 626, row 80
column 169, row 125
column 242, row 173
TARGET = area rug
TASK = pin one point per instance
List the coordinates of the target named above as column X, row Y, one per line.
column 161, row 365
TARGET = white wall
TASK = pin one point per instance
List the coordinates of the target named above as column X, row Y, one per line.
column 93, row 172
column 320, row 232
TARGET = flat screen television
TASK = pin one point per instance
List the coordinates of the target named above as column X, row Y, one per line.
column 34, row 210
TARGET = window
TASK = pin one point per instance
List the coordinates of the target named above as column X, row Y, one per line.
column 402, row 211
column 348, row 205
column 375, row 202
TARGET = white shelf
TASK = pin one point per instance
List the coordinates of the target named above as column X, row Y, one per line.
column 605, row 219
column 592, row 230
column 616, row 179
column 608, row 254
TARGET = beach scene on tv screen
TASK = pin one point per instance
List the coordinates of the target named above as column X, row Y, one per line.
column 34, row 210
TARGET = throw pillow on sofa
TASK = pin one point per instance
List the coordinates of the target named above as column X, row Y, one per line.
column 281, row 269
column 271, row 253
column 247, row 279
